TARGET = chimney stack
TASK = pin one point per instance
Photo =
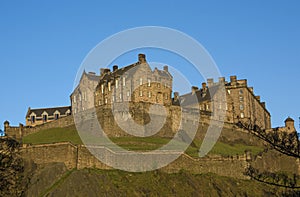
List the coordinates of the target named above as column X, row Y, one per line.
column 203, row 86
column 210, row 82
column 258, row 98
column 194, row 89
column 166, row 68
column 222, row 80
column 142, row 58
column 115, row 67
column 233, row 80
column 263, row 104
column 102, row 71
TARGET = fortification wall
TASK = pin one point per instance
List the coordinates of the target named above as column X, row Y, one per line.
column 59, row 152
column 21, row 131
column 79, row 157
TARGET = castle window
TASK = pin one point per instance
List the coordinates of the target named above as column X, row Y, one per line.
column 149, row 82
column 149, row 94
column 45, row 118
column 207, row 107
column 141, row 81
column 120, row 96
column 79, row 97
column 158, row 85
column 166, row 96
column 117, row 83
column 241, row 107
column 241, row 92
column 124, row 81
column 242, row 115
column 74, row 99
column 141, row 93
column 109, row 86
column 228, row 91
column 128, row 93
column 56, row 116
column 85, row 97
column 241, row 99
column 105, row 100
column 102, row 88
column 32, row 119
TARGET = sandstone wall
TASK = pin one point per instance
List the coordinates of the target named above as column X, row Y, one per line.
column 79, row 157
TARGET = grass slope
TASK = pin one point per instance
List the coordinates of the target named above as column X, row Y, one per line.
column 135, row 143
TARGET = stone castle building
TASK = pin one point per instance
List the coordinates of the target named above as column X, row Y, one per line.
column 241, row 102
column 82, row 97
column 139, row 83
column 134, row 83
column 43, row 115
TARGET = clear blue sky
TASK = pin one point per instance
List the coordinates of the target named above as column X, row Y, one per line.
column 42, row 44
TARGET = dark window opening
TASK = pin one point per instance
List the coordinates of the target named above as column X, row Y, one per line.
column 32, row 119
column 56, row 116
column 45, row 117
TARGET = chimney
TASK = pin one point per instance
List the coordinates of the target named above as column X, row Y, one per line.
column 210, row 82
column 166, row 68
column 176, row 96
column 115, row 67
column 222, row 80
column 92, row 73
column 142, row 58
column 203, row 86
column 263, row 104
column 194, row 89
column 102, row 71
column 251, row 89
column 106, row 70
column 233, row 79
column 258, row 98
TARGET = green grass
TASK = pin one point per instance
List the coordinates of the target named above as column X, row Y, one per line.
column 53, row 135
column 136, row 143
column 225, row 150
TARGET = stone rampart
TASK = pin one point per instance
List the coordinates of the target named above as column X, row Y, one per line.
column 78, row 156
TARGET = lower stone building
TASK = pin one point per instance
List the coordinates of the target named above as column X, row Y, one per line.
column 43, row 115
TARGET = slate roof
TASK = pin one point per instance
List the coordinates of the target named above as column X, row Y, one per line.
column 92, row 76
column 189, row 99
column 50, row 111
column 121, row 71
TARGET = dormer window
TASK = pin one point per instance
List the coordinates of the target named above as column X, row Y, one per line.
column 45, row 118
column 149, row 82
column 32, row 119
column 56, row 116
